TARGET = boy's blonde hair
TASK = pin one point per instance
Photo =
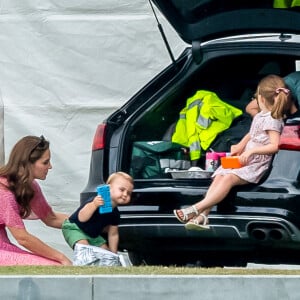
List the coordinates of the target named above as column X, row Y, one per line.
column 115, row 175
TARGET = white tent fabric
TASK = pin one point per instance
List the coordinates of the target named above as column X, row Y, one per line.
column 64, row 67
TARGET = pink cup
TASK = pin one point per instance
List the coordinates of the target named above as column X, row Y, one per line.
column 212, row 161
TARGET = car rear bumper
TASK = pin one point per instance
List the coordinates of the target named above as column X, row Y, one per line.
column 227, row 231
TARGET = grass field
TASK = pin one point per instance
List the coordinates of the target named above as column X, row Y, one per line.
column 142, row 270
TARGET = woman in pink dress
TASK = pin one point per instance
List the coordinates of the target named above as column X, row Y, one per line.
column 21, row 198
column 255, row 152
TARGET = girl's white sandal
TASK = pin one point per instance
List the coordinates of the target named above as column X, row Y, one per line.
column 195, row 225
column 188, row 213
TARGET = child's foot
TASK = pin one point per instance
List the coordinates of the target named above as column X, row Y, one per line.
column 185, row 214
column 198, row 223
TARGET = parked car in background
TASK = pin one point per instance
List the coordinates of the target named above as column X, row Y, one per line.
column 233, row 44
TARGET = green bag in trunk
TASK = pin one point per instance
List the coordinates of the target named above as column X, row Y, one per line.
column 151, row 159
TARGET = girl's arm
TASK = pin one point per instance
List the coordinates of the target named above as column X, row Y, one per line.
column 270, row 148
column 239, row 148
column 36, row 246
column 87, row 211
column 113, row 238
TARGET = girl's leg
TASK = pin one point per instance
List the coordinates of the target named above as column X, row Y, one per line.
column 217, row 191
column 184, row 215
column 216, row 181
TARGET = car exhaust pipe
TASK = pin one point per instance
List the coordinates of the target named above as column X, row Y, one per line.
column 278, row 234
column 260, row 233
column 264, row 234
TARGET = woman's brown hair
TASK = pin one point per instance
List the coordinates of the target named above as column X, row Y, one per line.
column 17, row 170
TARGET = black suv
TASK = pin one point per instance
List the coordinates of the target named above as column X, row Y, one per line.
column 233, row 45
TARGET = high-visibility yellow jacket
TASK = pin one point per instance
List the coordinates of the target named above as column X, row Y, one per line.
column 286, row 3
column 201, row 120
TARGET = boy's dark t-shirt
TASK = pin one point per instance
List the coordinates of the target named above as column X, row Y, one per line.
column 95, row 225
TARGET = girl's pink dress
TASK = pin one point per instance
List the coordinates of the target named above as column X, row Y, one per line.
column 10, row 254
column 258, row 164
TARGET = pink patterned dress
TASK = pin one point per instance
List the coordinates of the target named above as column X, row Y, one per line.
column 10, row 254
column 258, row 164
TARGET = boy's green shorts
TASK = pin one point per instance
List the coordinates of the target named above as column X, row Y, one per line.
column 72, row 234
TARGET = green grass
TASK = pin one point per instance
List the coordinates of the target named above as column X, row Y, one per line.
column 142, row 270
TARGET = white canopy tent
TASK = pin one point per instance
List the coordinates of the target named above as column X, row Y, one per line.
column 64, row 67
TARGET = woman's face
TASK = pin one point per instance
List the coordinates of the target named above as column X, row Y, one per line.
column 39, row 169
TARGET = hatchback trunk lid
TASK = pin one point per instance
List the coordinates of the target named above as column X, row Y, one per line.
column 203, row 20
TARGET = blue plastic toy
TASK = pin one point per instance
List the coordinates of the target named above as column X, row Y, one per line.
column 103, row 191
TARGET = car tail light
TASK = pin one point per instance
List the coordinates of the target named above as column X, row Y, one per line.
column 99, row 138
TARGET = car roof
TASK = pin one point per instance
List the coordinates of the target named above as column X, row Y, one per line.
column 204, row 20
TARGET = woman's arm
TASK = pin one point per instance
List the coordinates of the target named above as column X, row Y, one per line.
column 252, row 108
column 55, row 219
column 36, row 246
column 113, row 238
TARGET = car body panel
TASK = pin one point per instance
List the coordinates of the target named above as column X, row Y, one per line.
column 253, row 219
column 205, row 20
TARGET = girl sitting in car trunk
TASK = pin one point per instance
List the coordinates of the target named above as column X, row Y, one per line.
column 254, row 151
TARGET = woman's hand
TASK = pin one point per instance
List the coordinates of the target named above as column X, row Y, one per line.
column 55, row 219
column 65, row 261
column 38, row 247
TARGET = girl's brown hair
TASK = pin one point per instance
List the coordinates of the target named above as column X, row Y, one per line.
column 17, row 171
column 277, row 95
